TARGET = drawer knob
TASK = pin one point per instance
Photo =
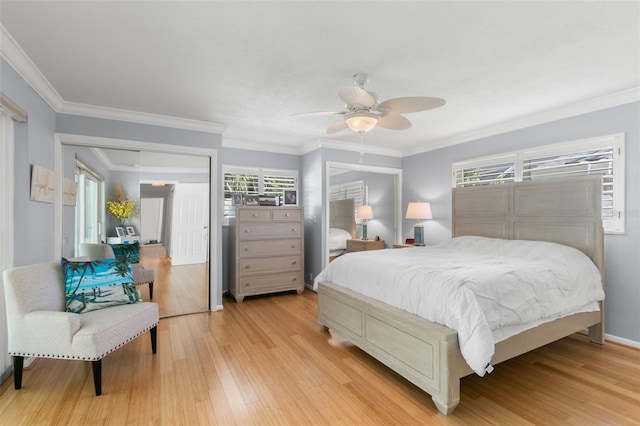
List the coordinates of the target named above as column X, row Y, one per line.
column 255, row 215
column 246, row 267
column 294, row 262
column 294, row 280
column 246, row 231
column 247, row 284
column 287, row 215
column 293, row 246
column 293, row 229
column 246, row 249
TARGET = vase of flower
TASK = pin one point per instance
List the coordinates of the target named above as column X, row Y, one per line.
column 122, row 207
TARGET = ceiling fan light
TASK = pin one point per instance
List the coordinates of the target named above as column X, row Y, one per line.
column 361, row 122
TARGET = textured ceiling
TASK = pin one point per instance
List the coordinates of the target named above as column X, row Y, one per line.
column 249, row 66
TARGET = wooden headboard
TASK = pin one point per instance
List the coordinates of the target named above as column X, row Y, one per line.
column 566, row 211
column 342, row 215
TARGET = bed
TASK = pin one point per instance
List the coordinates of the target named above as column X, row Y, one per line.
column 427, row 353
column 342, row 226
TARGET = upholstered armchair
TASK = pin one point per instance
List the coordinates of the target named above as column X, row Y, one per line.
column 39, row 325
column 141, row 275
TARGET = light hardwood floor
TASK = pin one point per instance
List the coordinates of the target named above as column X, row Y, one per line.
column 265, row 362
column 177, row 289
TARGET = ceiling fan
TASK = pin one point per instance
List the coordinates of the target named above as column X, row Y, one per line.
column 365, row 111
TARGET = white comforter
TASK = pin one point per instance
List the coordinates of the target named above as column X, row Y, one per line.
column 474, row 285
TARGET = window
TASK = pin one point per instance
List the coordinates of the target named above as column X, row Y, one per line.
column 255, row 182
column 603, row 155
column 488, row 171
column 89, row 205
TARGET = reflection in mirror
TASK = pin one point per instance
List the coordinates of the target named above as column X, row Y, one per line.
column 351, row 186
column 170, row 220
column 174, row 229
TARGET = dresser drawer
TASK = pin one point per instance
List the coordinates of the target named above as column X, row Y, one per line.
column 269, row 247
column 277, row 282
column 287, row 214
column 252, row 230
column 269, row 264
column 256, row 214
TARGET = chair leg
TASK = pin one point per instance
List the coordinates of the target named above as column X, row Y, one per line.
column 151, row 290
column 97, row 376
column 18, row 363
column 154, row 338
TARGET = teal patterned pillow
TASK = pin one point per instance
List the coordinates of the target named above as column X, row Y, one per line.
column 130, row 252
column 99, row 284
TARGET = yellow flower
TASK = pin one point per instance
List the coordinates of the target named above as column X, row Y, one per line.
column 123, row 207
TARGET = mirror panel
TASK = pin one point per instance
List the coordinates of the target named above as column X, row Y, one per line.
column 380, row 189
column 99, row 171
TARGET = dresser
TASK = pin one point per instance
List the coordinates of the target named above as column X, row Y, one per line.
column 364, row 245
column 266, row 250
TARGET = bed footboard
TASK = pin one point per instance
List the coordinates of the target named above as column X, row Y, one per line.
column 422, row 352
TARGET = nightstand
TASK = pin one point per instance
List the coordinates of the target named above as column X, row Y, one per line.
column 402, row 245
column 364, row 245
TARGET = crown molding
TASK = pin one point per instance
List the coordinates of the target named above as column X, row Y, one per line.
column 567, row 111
column 259, row 146
column 18, row 59
column 309, row 147
column 356, row 147
column 140, row 117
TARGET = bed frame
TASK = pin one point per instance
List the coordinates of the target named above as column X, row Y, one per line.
column 427, row 354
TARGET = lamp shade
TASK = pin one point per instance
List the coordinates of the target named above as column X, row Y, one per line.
column 364, row 212
column 419, row 210
column 361, row 121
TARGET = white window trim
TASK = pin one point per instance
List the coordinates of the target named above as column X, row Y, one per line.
column 617, row 141
column 261, row 172
column 7, row 226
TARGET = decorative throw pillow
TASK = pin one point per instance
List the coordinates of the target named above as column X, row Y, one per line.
column 98, row 284
column 130, row 252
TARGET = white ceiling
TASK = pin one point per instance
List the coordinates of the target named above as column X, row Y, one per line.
column 245, row 67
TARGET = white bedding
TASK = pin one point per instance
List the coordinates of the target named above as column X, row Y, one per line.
column 475, row 285
column 338, row 239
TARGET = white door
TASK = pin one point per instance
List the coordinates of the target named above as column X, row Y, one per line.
column 189, row 230
column 151, row 219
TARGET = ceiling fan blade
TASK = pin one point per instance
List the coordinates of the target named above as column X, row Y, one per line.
column 410, row 104
column 319, row 113
column 355, row 95
column 393, row 122
column 337, row 126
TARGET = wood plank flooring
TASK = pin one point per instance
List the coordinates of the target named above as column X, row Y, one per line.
column 264, row 362
column 177, row 289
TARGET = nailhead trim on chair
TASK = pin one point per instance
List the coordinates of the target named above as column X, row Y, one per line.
column 81, row 358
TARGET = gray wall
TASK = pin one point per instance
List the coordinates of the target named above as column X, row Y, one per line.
column 427, row 177
column 34, row 144
column 314, row 220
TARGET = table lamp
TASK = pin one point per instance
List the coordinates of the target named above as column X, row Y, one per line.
column 419, row 211
column 365, row 213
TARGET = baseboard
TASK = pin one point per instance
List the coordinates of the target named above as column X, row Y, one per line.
column 622, row 341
